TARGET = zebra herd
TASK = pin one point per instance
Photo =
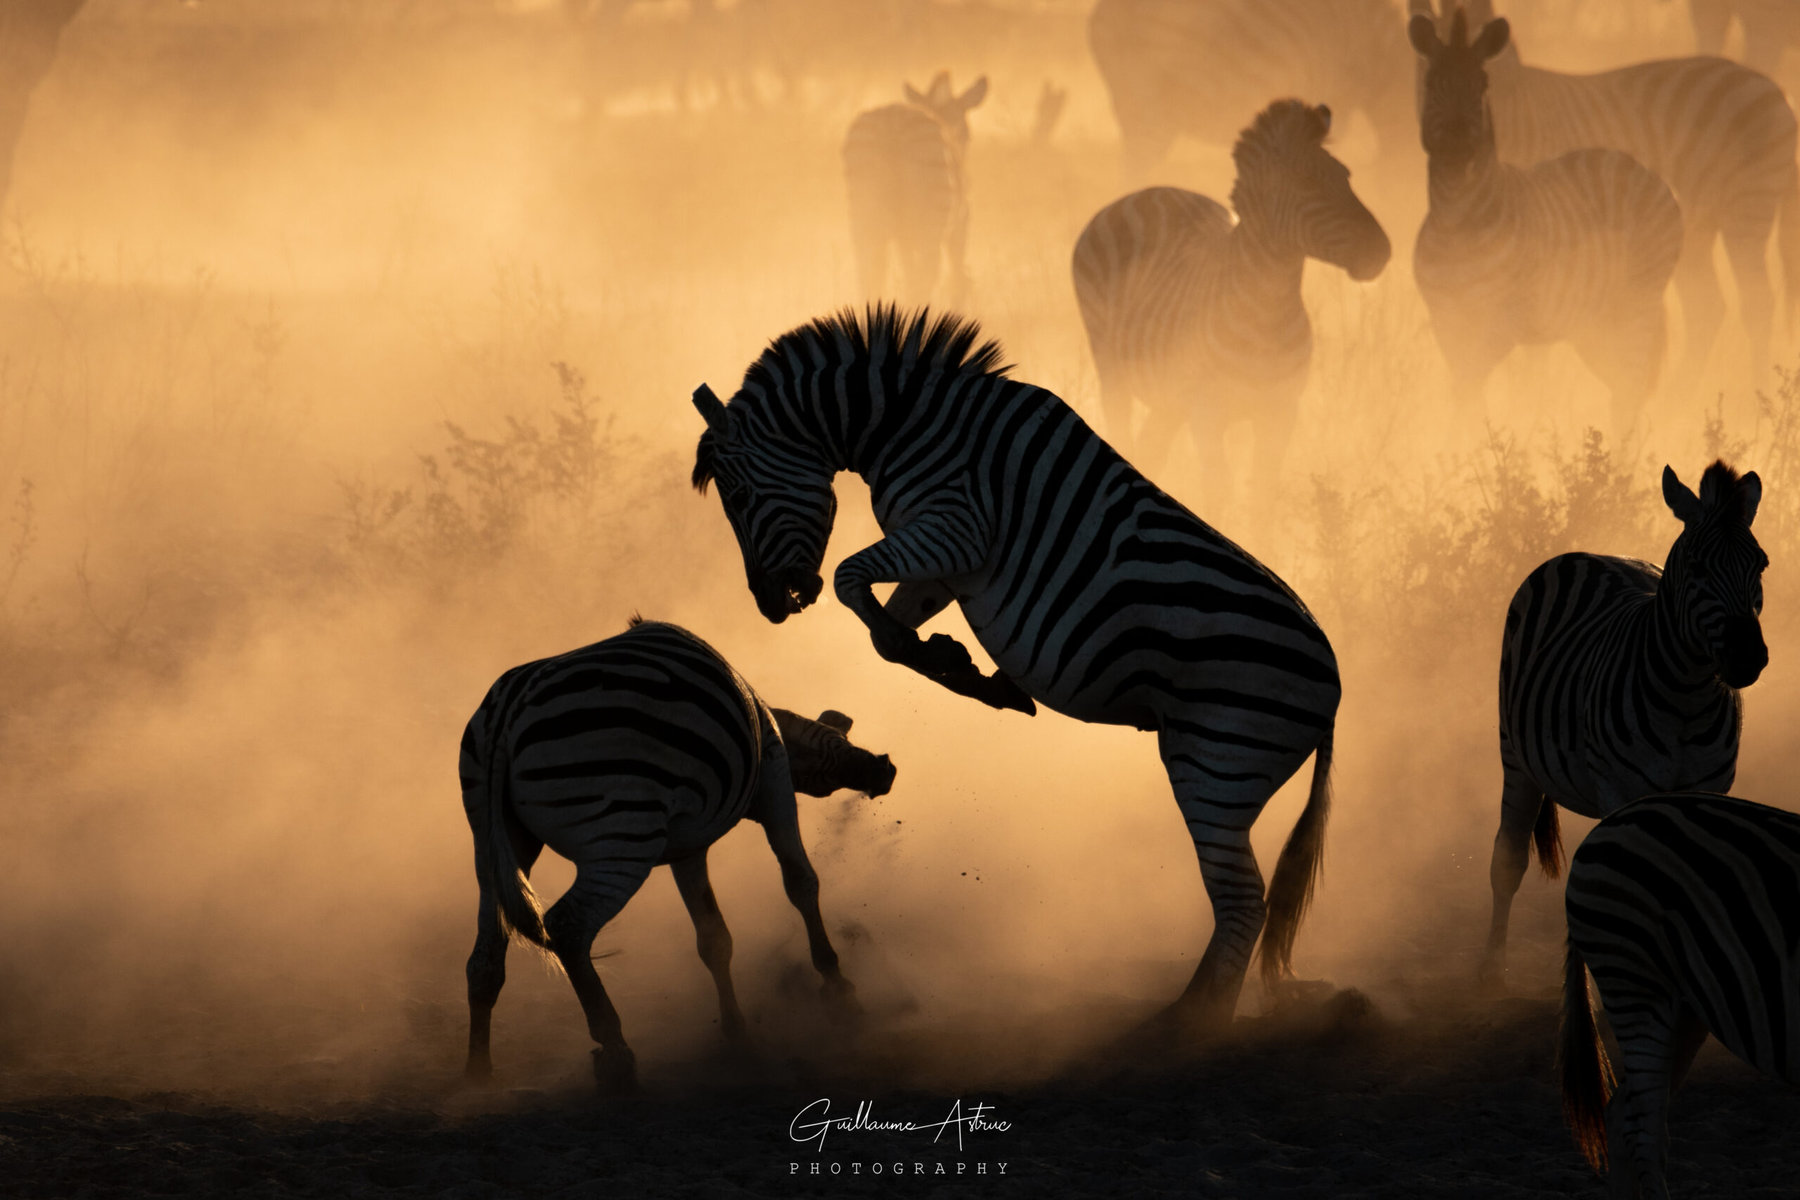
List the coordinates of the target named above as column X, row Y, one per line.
column 1097, row 595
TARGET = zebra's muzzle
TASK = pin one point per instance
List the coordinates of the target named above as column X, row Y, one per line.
column 784, row 591
column 1745, row 654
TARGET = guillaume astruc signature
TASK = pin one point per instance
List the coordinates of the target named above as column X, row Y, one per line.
column 814, row 1122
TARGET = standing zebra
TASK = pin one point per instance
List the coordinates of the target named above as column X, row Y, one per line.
column 1178, row 67
column 903, row 170
column 1094, row 592
column 1201, row 318
column 1618, row 680
column 645, row 748
column 1721, row 135
column 1579, row 248
column 1686, row 908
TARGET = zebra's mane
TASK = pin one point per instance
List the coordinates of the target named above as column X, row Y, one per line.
column 921, row 340
column 1278, row 126
column 1721, row 487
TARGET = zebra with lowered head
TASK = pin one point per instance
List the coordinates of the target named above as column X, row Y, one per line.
column 1093, row 591
column 643, row 749
column 1577, row 249
column 1618, row 680
column 1200, row 317
column 903, row 171
column 1720, row 134
column 1686, row 909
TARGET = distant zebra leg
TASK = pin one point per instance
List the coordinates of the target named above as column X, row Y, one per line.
column 1520, row 801
column 775, row 809
column 1274, row 426
column 1657, row 1043
column 486, row 968
column 1628, row 359
column 1756, row 299
column 1219, row 807
column 1702, row 305
column 713, row 937
column 869, row 231
column 600, row 890
column 956, row 254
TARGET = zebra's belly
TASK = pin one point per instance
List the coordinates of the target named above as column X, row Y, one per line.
column 619, row 816
column 1596, row 780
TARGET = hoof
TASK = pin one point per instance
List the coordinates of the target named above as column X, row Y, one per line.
column 479, row 1070
column 840, row 997
column 615, row 1071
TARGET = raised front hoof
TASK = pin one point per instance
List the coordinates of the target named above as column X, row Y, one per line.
column 615, row 1071
column 1001, row 692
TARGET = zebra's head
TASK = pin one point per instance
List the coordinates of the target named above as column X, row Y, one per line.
column 1296, row 196
column 1455, row 125
column 951, row 110
column 822, row 759
column 1715, row 568
column 779, row 502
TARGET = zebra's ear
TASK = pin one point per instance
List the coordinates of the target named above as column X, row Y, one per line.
column 1750, row 492
column 1323, row 112
column 912, row 95
column 1493, row 38
column 1680, row 499
column 712, row 409
column 1423, row 32
column 975, row 95
column 939, row 94
column 831, row 718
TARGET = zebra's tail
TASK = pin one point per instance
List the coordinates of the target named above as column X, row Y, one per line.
column 496, row 865
column 1587, row 1076
column 1297, row 873
column 1788, row 239
column 1546, row 839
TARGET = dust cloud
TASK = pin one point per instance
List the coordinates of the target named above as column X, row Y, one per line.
column 344, row 363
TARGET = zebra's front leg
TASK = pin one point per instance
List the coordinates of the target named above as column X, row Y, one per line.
column 777, row 813
column 926, row 550
column 713, row 937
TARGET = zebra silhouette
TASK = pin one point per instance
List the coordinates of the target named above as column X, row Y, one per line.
column 1577, row 249
column 1686, row 908
column 1200, row 317
column 1618, row 680
column 643, row 749
column 1721, row 135
column 903, row 171
column 1094, row 592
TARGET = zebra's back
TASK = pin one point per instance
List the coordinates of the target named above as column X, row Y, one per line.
column 645, row 734
column 1579, row 242
column 1694, row 899
column 1576, row 709
column 1720, row 134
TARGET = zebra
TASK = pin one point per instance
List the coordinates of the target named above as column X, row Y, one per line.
column 1094, row 592
column 642, row 749
column 1579, row 248
column 1176, row 67
column 903, row 170
column 1618, row 680
column 1686, row 909
column 1201, row 318
column 1720, row 134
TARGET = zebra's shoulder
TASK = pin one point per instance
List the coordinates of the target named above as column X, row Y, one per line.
column 1684, row 816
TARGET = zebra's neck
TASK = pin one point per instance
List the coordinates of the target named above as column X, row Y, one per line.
column 1674, row 647
column 1471, row 194
column 1262, row 274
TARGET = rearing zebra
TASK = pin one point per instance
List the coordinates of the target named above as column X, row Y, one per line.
column 1686, row 908
column 903, row 171
column 1618, row 680
column 1093, row 591
column 1580, row 248
column 1720, row 134
column 1200, row 317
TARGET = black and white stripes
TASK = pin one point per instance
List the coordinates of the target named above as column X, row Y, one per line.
column 1199, row 317
column 1618, row 680
column 1577, row 249
column 908, row 190
column 1686, row 909
column 1093, row 591
column 639, row 750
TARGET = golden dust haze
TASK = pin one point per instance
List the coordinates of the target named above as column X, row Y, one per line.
column 344, row 359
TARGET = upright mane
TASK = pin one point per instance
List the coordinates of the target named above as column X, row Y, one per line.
column 1280, row 125
column 1721, row 487
column 919, row 341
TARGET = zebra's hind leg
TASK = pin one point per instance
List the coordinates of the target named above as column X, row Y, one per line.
column 486, row 969
column 1756, row 299
column 1521, row 805
column 600, row 890
column 1219, row 808
column 1702, row 306
column 714, row 938
column 1658, row 1040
